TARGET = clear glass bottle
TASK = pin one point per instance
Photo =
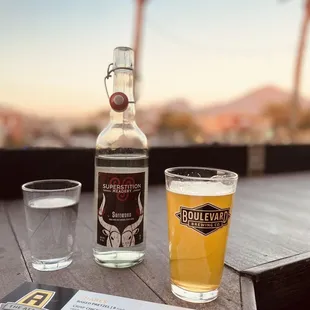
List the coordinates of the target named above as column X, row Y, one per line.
column 121, row 175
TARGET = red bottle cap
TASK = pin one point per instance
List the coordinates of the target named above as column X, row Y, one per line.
column 119, row 102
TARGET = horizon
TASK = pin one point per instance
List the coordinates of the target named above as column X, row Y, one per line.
column 57, row 53
column 159, row 104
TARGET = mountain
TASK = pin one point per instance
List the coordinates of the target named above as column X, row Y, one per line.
column 7, row 108
column 253, row 102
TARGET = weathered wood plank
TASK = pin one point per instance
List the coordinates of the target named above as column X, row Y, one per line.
column 270, row 225
column 268, row 221
column 283, row 284
column 13, row 270
column 261, row 271
column 249, row 242
column 83, row 273
column 151, row 275
column 248, row 294
column 229, row 296
column 154, row 271
column 254, row 235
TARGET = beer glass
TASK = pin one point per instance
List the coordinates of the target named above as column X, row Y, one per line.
column 199, row 203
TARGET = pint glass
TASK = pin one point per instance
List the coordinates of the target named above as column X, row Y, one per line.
column 199, row 203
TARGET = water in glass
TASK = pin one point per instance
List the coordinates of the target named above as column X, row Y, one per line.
column 51, row 223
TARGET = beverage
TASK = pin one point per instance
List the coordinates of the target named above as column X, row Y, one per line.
column 51, row 223
column 197, row 268
column 199, row 214
column 121, row 176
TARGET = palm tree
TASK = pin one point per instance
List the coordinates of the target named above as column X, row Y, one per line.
column 295, row 100
column 140, row 4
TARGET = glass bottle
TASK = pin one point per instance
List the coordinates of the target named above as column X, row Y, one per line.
column 121, row 175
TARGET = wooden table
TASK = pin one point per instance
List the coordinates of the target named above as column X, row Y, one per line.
column 267, row 259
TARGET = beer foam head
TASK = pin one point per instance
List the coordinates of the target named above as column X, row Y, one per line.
column 202, row 188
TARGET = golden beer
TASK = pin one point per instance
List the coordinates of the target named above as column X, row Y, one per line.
column 198, row 217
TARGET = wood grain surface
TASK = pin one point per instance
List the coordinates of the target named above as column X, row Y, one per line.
column 283, row 284
column 13, row 270
column 248, row 294
column 271, row 220
column 270, row 226
column 83, row 273
column 147, row 281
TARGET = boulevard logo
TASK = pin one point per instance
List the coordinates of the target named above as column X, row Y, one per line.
column 204, row 219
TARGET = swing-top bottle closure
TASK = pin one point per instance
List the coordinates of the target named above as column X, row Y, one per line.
column 123, row 61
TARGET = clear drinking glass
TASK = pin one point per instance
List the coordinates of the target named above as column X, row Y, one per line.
column 199, row 203
column 51, row 208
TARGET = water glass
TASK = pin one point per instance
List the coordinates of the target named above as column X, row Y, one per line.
column 51, row 208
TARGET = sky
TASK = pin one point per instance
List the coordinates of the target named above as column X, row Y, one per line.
column 54, row 53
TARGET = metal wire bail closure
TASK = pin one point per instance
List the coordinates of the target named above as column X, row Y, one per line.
column 118, row 101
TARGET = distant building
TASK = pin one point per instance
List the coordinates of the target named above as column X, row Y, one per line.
column 82, row 141
column 47, row 141
column 13, row 125
column 3, row 134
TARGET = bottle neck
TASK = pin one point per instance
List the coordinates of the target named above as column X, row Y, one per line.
column 127, row 116
column 123, row 82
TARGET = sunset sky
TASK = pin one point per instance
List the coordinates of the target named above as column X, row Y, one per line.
column 54, row 53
